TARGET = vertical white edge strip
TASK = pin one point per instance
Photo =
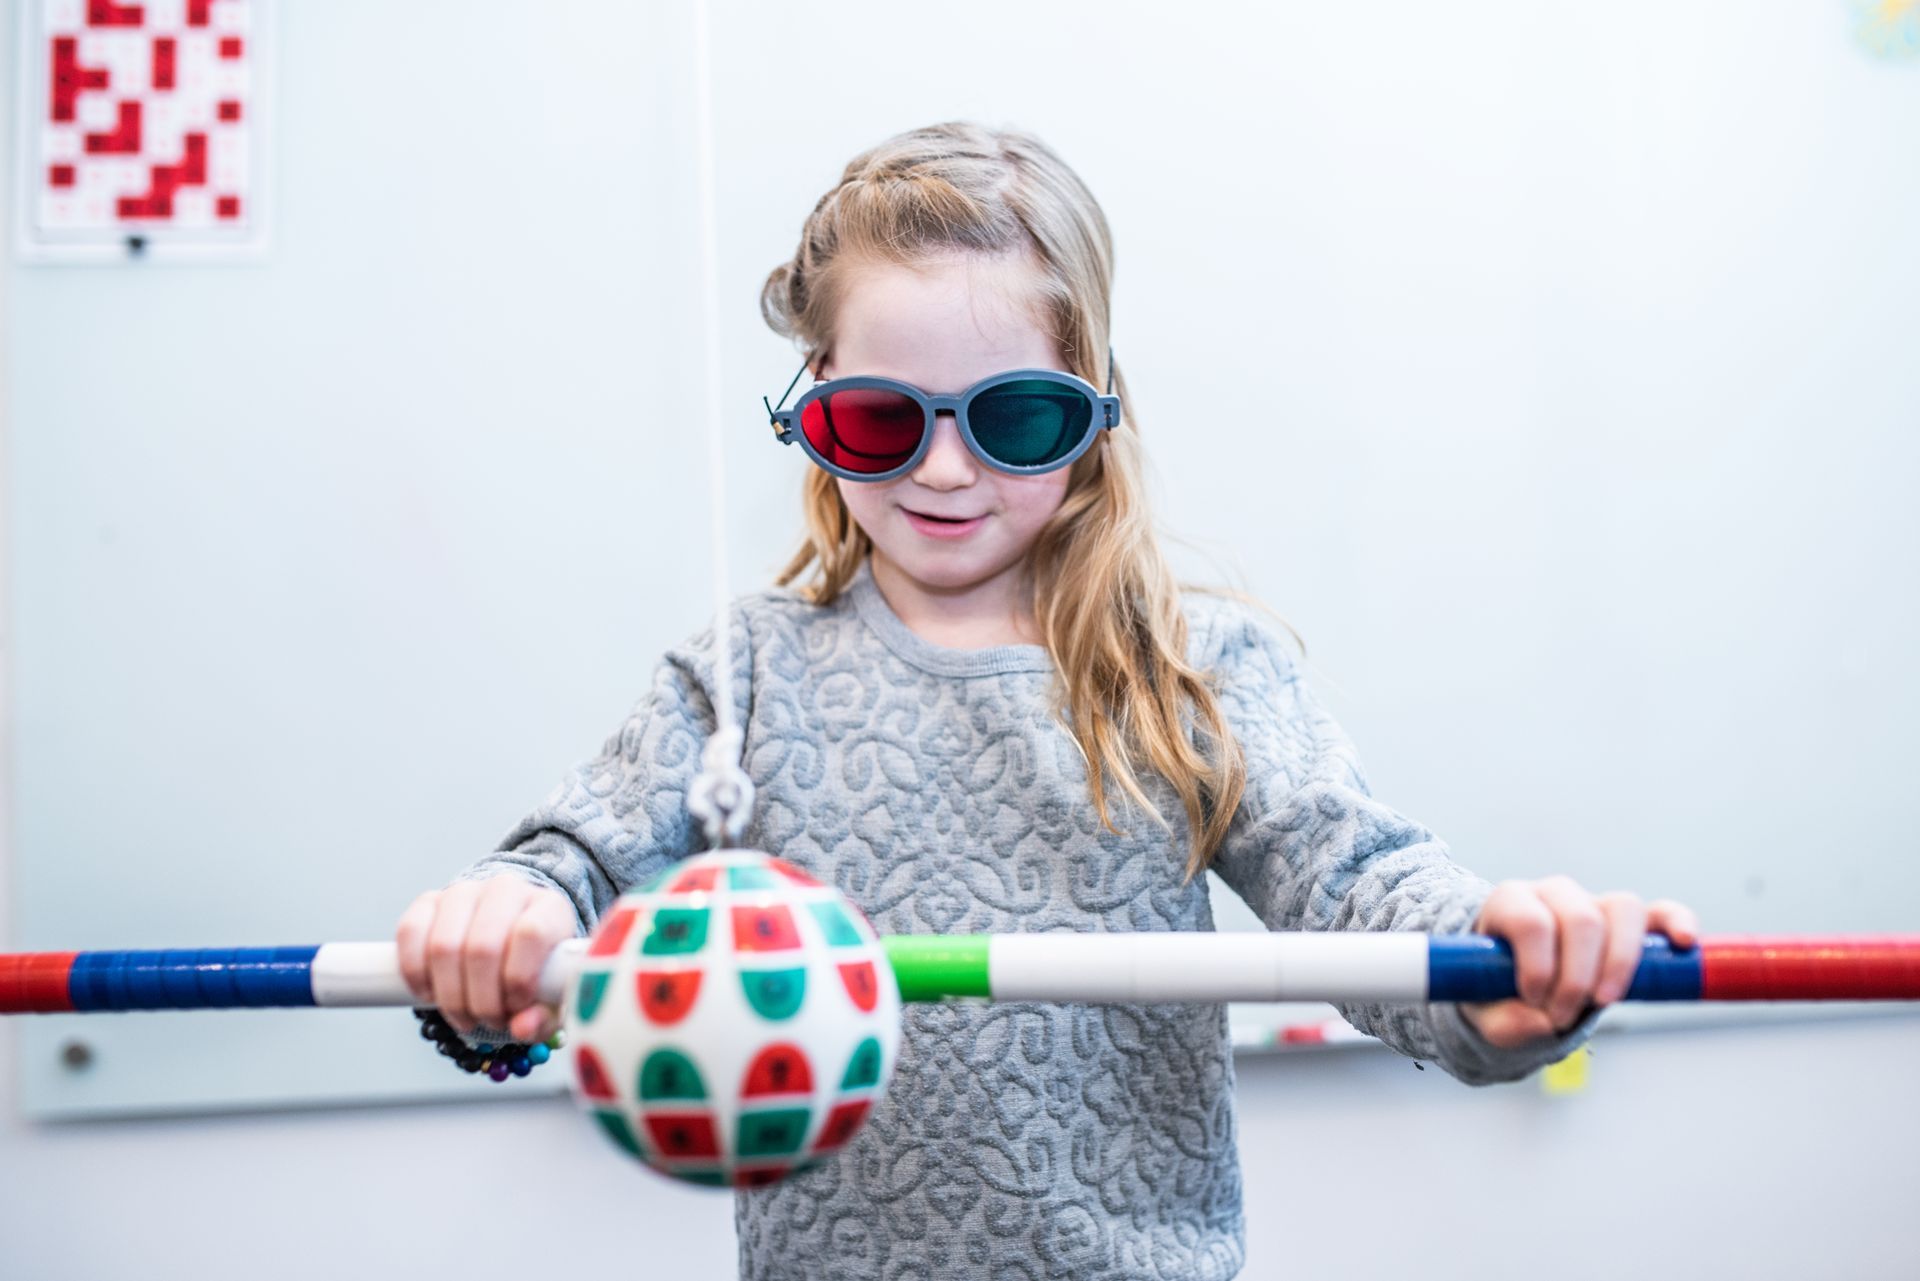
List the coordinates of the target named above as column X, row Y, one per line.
column 348, row 974
column 1148, row 968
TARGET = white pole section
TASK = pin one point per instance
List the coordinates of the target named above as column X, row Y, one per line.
column 1149, row 968
column 349, row 974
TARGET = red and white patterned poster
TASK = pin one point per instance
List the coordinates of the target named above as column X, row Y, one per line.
column 141, row 129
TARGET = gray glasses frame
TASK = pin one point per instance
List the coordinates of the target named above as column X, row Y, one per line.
column 787, row 429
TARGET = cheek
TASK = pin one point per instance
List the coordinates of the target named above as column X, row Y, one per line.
column 1031, row 500
column 860, row 498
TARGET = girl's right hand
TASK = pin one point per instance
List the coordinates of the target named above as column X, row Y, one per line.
column 475, row 950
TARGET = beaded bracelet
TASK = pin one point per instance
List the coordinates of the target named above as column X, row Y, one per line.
column 514, row 1058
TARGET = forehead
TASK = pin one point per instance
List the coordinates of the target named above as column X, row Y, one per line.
column 941, row 325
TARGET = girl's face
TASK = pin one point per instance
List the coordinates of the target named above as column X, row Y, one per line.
column 943, row 326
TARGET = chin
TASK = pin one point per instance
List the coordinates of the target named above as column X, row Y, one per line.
column 947, row 573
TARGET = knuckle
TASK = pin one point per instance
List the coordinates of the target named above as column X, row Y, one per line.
column 1531, row 926
column 499, row 889
column 1584, row 918
column 415, row 921
column 528, row 929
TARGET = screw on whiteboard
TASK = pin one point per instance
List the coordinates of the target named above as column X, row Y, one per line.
column 136, row 246
column 76, row 1056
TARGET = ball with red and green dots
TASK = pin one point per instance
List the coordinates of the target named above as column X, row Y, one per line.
column 734, row 1021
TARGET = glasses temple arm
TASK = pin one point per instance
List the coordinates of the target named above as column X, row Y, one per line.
column 772, row 410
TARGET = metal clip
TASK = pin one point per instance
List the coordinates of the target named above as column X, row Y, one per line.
column 721, row 795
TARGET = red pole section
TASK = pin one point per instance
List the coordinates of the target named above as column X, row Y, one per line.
column 1853, row 967
column 35, row 982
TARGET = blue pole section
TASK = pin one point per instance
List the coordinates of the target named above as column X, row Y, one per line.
column 1474, row 967
column 207, row 978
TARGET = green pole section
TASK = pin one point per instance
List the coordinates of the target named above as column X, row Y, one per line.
column 931, row 967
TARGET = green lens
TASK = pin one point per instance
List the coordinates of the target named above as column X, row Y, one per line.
column 1031, row 422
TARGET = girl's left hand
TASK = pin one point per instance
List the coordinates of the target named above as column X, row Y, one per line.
column 1570, row 950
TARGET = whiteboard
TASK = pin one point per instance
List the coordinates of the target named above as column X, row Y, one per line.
column 1550, row 370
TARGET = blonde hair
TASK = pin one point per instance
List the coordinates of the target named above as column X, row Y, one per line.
column 1117, row 635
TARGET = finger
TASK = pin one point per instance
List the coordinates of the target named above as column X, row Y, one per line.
column 484, row 957
column 1509, row 1024
column 1675, row 920
column 445, row 938
column 543, row 922
column 1582, row 936
column 1626, row 920
column 410, row 941
column 1515, row 912
column 535, row 1023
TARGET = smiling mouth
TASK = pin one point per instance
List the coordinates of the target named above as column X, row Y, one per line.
column 944, row 520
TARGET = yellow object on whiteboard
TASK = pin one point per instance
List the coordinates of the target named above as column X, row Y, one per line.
column 1569, row 1075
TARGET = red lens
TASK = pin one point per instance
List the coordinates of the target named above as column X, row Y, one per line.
column 869, row 430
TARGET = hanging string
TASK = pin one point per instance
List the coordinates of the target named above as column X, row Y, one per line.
column 721, row 795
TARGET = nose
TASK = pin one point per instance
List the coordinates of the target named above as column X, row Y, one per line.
column 948, row 464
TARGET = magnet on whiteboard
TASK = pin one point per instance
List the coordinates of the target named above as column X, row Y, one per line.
column 1569, row 1075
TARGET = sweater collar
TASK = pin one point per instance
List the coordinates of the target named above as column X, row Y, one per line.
column 941, row 660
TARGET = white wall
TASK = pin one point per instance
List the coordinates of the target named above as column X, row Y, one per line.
column 1632, row 286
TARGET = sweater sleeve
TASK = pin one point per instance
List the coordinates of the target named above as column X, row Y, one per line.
column 621, row 816
column 1310, row 849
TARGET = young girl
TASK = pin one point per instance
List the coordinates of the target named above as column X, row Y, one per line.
column 989, row 708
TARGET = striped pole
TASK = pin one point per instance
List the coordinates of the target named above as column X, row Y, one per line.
column 1131, row 968
column 1149, row 968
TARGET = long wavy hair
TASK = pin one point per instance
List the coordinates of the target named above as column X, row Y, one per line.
column 1103, row 597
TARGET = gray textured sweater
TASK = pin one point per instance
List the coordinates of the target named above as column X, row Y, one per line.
column 933, row 786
